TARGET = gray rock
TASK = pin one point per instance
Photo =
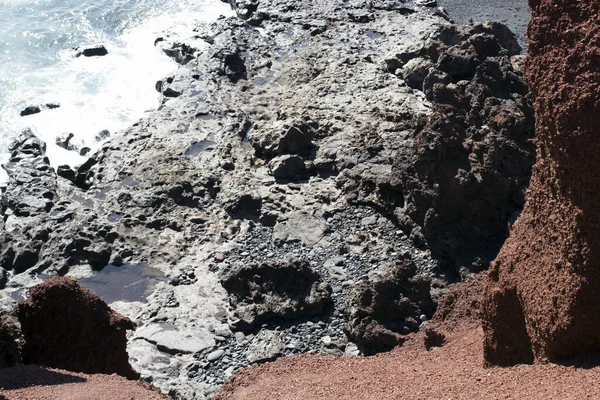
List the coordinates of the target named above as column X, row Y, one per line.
column 285, row 137
column 266, row 346
column 381, row 310
column 169, row 339
column 302, row 228
column 215, row 355
column 286, row 167
column 415, row 71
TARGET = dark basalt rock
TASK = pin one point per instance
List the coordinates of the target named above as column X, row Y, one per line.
column 30, row 111
column 382, row 310
column 474, row 154
column 96, row 51
column 287, row 289
column 66, row 326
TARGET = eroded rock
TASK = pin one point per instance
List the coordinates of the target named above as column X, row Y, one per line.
column 540, row 301
column 388, row 306
column 285, row 289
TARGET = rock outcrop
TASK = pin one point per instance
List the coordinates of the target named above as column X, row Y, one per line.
column 466, row 179
column 295, row 140
column 381, row 311
column 542, row 294
column 66, row 326
column 285, row 289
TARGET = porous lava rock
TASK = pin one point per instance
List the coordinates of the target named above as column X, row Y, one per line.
column 66, row 326
column 286, row 289
column 382, row 310
column 473, row 155
column 541, row 298
column 10, row 353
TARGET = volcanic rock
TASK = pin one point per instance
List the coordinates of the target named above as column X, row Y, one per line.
column 95, row 51
column 541, row 296
column 30, row 110
column 286, row 289
column 385, row 308
column 473, row 154
column 10, row 353
column 66, row 326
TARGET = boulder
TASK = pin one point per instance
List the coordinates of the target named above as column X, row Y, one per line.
column 94, row 51
column 284, row 137
column 266, row 346
column 287, row 289
column 30, row 110
column 32, row 183
column 66, row 326
column 541, row 297
column 383, row 309
column 415, row 71
column 286, row 167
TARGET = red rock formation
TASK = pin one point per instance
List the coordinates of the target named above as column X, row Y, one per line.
column 9, row 348
column 541, row 299
column 68, row 327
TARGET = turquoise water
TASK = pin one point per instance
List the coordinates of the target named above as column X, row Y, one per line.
column 38, row 64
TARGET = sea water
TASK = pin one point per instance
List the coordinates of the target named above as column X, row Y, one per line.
column 38, row 64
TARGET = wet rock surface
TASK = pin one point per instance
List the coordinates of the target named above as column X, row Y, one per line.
column 290, row 133
column 540, row 295
column 66, row 326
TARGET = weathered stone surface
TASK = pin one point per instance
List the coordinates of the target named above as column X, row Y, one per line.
column 473, row 154
column 66, row 326
column 286, row 289
column 266, row 346
column 542, row 293
column 382, row 310
column 300, row 227
column 171, row 340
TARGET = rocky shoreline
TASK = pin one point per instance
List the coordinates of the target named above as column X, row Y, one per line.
column 369, row 153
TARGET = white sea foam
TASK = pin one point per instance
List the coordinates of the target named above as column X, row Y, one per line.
column 95, row 93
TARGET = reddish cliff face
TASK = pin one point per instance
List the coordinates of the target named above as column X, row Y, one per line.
column 542, row 295
column 66, row 326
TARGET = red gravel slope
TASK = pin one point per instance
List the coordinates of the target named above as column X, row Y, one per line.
column 454, row 371
column 24, row 383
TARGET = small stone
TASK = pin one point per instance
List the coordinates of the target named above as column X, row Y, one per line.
column 215, row 355
column 220, row 257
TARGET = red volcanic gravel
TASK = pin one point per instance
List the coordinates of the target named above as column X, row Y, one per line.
column 24, row 383
column 454, row 371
